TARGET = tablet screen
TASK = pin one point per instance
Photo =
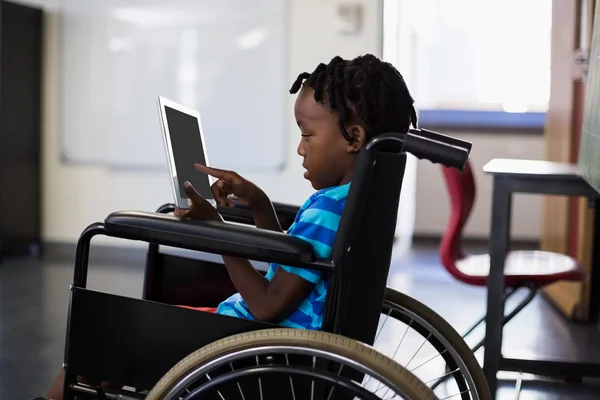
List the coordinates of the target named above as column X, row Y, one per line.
column 186, row 143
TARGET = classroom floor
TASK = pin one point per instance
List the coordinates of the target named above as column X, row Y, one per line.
column 34, row 297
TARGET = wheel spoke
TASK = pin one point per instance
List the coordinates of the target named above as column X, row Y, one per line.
column 383, row 324
column 419, row 349
column 401, row 340
column 443, row 376
column 220, row 395
column 333, row 387
column 238, row 384
column 454, row 395
column 312, row 382
column 287, row 362
column 260, row 389
column 432, row 358
column 397, row 348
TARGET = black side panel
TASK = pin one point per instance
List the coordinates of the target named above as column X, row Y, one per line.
column 185, row 281
column 135, row 342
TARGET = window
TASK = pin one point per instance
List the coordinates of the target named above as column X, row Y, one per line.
column 480, row 63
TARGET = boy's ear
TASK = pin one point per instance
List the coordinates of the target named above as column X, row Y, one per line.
column 359, row 137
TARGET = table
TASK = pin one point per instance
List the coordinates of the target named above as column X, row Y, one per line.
column 534, row 177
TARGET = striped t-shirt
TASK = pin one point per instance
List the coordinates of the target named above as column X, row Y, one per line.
column 317, row 222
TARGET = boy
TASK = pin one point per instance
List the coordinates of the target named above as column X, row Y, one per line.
column 340, row 106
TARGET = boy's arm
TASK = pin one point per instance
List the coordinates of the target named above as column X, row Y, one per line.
column 264, row 213
column 268, row 301
column 273, row 300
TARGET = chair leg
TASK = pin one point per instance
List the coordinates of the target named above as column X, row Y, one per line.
column 509, row 292
column 530, row 295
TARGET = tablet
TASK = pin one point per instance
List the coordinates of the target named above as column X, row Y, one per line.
column 184, row 146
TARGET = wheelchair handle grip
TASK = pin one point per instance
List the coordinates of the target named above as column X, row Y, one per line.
column 437, row 148
column 444, row 138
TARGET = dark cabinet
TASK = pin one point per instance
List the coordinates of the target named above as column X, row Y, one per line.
column 21, row 38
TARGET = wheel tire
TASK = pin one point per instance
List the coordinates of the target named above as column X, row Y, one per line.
column 364, row 355
column 449, row 333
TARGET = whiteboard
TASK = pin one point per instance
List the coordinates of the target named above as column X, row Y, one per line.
column 225, row 58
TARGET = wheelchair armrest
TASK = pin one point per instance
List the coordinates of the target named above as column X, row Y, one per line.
column 243, row 215
column 213, row 237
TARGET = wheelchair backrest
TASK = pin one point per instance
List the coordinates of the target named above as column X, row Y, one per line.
column 363, row 246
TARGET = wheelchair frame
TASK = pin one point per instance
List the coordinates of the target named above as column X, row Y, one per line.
column 136, row 341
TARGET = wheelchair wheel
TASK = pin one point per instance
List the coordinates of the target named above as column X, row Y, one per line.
column 288, row 364
column 429, row 348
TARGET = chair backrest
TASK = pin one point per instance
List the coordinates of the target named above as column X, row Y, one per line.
column 461, row 191
column 363, row 246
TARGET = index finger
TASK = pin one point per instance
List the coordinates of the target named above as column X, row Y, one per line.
column 217, row 173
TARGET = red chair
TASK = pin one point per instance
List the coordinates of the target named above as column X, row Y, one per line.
column 523, row 269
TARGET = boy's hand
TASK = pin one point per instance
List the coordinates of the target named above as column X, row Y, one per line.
column 230, row 183
column 200, row 208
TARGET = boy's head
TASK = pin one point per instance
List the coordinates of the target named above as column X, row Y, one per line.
column 341, row 106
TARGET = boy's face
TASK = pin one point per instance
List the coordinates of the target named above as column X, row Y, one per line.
column 328, row 157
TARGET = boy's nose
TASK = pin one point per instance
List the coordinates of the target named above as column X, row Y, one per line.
column 300, row 149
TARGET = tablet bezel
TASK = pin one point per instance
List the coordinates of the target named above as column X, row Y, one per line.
column 181, row 202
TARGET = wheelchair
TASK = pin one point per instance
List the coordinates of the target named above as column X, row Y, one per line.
column 155, row 349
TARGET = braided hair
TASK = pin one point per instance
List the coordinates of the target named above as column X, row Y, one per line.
column 364, row 90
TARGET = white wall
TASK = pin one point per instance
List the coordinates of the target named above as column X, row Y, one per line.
column 75, row 196
column 432, row 199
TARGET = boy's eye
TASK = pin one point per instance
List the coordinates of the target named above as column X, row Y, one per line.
column 305, row 137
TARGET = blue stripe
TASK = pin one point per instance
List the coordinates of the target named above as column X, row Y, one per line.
column 271, row 271
column 336, row 192
column 311, row 276
column 329, row 204
column 321, row 250
column 320, row 291
column 290, row 324
column 240, row 314
column 229, row 309
column 298, row 317
column 242, row 308
column 307, row 203
column 317, row 321
column 323, row 218
column 306, row 308
column 318, row 308
column 315, row 232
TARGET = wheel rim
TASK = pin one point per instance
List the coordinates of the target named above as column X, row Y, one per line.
column 199, row 380
column 463, row 385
